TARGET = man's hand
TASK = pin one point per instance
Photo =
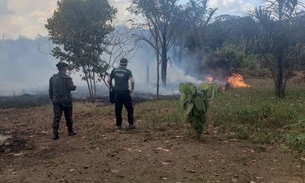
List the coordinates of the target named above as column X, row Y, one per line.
column 132, row 86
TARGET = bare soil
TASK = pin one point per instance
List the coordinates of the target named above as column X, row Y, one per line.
column 148, row 154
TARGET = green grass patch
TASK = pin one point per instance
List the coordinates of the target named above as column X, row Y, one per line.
column 159, row 114
column 253, row 114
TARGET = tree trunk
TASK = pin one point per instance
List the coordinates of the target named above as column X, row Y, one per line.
column 158, row 76
column 164, row 66
column 91, row 86
column 94, row 88
column 280, row 91
column 86, row 78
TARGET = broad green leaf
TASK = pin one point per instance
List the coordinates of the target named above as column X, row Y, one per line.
column 189, row 108
column 204, row 93
column 193, row 89
column 203, row 87
column 210, row 93
column 182, row 88
column 182, row 98
column 189, row 97
column 196, row 112
column 199, row 103
column 214, row 93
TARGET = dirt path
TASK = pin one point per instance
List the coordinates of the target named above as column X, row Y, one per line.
column 99, row 153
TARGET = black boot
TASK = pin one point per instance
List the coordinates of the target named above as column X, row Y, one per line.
column 55, row 134
column 71, row 132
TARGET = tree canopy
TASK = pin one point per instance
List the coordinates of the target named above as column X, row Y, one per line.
column 278, row 40
column 167, row 22
column 79, row 29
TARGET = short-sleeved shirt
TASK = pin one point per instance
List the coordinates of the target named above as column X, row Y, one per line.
column 121, row 76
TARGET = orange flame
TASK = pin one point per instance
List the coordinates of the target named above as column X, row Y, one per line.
column 237, row 81
column 209, row 79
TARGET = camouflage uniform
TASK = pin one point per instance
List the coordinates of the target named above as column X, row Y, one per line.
column 62, row 103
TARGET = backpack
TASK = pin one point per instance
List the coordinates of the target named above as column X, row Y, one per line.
column 59, row 86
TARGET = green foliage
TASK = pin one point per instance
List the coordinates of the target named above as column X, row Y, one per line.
column 296, row 137
column 254, row 115
column 253, row 66
column 78, row 34
column 275, row 40
column 231, row 29
column 225, row 60
column 195, row 103
column 79, row 29
column 198, row 18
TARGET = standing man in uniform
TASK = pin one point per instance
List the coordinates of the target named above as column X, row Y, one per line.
column 60, row 87
column 122, row 92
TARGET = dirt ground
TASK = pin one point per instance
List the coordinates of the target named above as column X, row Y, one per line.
column 100, row 153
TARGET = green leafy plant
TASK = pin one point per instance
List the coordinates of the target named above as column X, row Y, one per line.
column 195, row 103
column 296, row 138
column 296, row 141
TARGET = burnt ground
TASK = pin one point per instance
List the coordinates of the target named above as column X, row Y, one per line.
column 28, row 100
column 99, row 153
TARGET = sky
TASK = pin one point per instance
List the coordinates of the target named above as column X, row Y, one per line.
column 28, row 17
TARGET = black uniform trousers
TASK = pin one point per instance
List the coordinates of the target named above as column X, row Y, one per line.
column 122, row 97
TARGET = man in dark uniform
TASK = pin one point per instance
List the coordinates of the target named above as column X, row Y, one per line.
column 60, row 87
column 122, row 92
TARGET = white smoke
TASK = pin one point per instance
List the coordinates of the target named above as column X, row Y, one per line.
column 30, row 71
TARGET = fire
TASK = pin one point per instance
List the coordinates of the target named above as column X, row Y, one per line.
column 209, row 79
column 237, row 81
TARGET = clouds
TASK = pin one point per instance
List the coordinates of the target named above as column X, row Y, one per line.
column 238, row 7
column 3, row 8
column 122, row 14
column 28, row 17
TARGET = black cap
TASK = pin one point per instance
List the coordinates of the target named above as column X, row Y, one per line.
column 123, row 62
column 61, row 65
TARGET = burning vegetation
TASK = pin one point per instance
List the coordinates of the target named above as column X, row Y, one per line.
column 236, row 81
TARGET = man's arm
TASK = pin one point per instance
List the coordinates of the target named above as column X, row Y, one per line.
column 70, row 84
column 132, row 83
column 109, row 82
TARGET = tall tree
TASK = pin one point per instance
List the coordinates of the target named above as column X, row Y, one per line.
column 277, row 40
column 300, row 35
column 79, row 29
column 161, row 25
column 234, row 30
column 198, row 17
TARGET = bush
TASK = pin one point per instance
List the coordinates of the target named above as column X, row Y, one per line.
column 225, row 60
